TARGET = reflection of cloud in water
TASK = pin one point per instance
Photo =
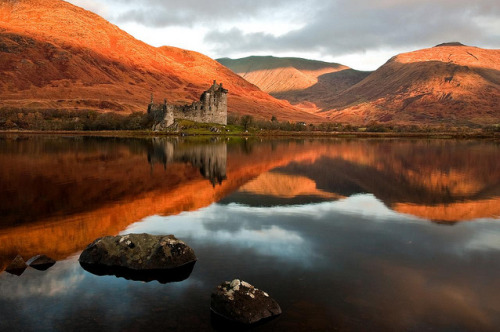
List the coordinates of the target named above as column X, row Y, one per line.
column 290, row 233
column 353, row 258
column 61, row 297
column 362, row 205
column 488, row 239
column 243, row 231
column 272, row 231
column 233, row 217
column 64, row 279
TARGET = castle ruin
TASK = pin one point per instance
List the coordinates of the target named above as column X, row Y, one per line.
column 211, row 108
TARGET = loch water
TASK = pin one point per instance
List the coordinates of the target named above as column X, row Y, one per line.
column 346, row 234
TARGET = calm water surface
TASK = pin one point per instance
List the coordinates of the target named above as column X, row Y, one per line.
column 349, row 235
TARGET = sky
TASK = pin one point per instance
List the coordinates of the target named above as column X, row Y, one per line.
column 360, row 34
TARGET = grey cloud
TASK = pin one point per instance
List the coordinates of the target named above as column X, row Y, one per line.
column 356, row 26
column 158, row 13
column 328, row 28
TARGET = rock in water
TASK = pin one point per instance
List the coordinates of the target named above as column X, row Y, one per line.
column 41, row 262
column 241, row 302
column 17, row 266
column 139, row 257
column 139, row 252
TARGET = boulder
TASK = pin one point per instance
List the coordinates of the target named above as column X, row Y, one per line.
column 41, row 262
column 240, row 302
column 17, row 266
column 142, row 257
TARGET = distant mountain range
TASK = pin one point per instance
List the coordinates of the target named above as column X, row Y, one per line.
column 56, row 55
column 447, row 84
column 305, row 83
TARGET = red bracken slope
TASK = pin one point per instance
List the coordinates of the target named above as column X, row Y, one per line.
column 56, row 55
column 447, row 84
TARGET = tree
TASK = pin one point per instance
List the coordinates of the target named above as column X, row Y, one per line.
column 246, row 121
column 10, row 124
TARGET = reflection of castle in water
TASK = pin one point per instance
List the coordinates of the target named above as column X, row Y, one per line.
column 210, row 159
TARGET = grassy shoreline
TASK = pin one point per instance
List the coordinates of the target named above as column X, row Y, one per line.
column 264, row 133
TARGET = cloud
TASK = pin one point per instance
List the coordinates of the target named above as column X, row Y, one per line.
column 159, row 13
column 344, row 27
column 327, row 30
column 92, row 5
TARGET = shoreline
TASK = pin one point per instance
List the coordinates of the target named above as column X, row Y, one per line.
column 262, row 134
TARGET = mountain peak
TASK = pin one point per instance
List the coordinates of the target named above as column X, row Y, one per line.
column 302, row 82
column 450, row 44
column 454, row 85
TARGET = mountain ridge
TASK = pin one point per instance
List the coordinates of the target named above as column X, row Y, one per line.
column 302, row 82
column 456, row 85
column 57, row 55
column 450, row 84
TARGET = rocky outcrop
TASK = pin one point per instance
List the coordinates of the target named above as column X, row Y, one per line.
column 41, row 262
column 139, row 257
column 17, row 266
column 240, row 302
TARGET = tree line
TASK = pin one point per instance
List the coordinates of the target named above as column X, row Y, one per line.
column 90, row 120
column 72, row 120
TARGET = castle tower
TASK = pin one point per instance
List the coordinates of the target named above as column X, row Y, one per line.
column 220, row 111
column 212, row 108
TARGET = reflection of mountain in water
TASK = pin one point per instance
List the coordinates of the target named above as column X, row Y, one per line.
column 209, row 159
column 440, row 181
column 280, row 189
column 58, row 194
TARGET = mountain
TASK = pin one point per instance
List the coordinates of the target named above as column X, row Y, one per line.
column 56, row 55
column 447, row 84
column 305, row 83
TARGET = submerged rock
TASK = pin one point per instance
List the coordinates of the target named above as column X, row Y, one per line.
column 240, row 302
column 41, row 262
column 162, row 276
column 17, row 266
column 139, row 257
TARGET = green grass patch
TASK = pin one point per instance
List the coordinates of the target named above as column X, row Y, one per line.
column 189, row 127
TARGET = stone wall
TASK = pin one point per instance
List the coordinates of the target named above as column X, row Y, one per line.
column 211, row 108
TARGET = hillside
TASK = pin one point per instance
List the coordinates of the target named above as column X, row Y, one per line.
column 56, row 55
column 305, row 83
column 447, row 84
